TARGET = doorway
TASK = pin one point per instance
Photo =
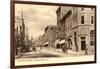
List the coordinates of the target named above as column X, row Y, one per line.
column 83, row 42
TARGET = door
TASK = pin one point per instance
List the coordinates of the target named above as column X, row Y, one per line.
column 83, row 42
column 82, row 45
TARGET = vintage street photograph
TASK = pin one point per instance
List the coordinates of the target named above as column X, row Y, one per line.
column 50, row 34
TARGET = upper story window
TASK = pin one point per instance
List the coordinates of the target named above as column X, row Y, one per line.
column 57, row 32
column 82, row 19
column 20, row 28
column 51, row 28
column 91, row 19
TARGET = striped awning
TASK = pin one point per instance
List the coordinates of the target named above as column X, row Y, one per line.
column 46, row 43
column 62, row 41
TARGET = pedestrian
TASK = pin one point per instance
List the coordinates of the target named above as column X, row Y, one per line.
column 41, row 47
column 63, row 48
column 66, row 48
column 86, row 49
column 34, row 48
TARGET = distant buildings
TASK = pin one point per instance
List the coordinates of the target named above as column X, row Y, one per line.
column 50, row 35
column 40, row 41
column 76, row 26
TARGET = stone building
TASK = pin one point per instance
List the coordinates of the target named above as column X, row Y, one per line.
column 62, row 14
column 76, row 26
column 50, row 35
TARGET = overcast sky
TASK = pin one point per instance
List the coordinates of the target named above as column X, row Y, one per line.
column 37, row 17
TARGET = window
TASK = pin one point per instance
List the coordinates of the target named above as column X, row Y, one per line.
column 20, row 27
column 51, row 28
column 82, row 38
column 92, row 37
column 91, row 19
column 75, row 34
column 82, row 19
column 57, row 32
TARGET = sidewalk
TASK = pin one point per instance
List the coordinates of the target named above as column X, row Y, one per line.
column 72, row 56
column 19, row 55
column 61, row 53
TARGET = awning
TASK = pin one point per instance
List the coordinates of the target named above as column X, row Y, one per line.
column 57, row 41
column 45, row 43
column 62, row 41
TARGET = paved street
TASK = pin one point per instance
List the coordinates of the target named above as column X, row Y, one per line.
column 42, row 56
column 37, row 55
column 50, row 52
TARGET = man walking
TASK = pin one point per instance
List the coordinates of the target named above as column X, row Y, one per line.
column 65, row 47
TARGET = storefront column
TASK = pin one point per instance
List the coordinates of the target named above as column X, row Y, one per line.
column 79, row 43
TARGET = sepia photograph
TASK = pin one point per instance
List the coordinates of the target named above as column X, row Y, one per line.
column 53, row 34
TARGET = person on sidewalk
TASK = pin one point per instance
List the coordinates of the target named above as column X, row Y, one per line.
column 40, row 47
column 86, row 49
column 34, row 48
column 65, row 48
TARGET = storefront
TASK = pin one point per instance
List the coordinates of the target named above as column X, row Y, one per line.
column 45, row 44
column 61, row 43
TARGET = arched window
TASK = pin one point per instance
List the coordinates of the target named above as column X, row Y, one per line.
column 92, row 37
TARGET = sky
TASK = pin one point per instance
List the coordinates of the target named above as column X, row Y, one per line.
column 37, row 17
